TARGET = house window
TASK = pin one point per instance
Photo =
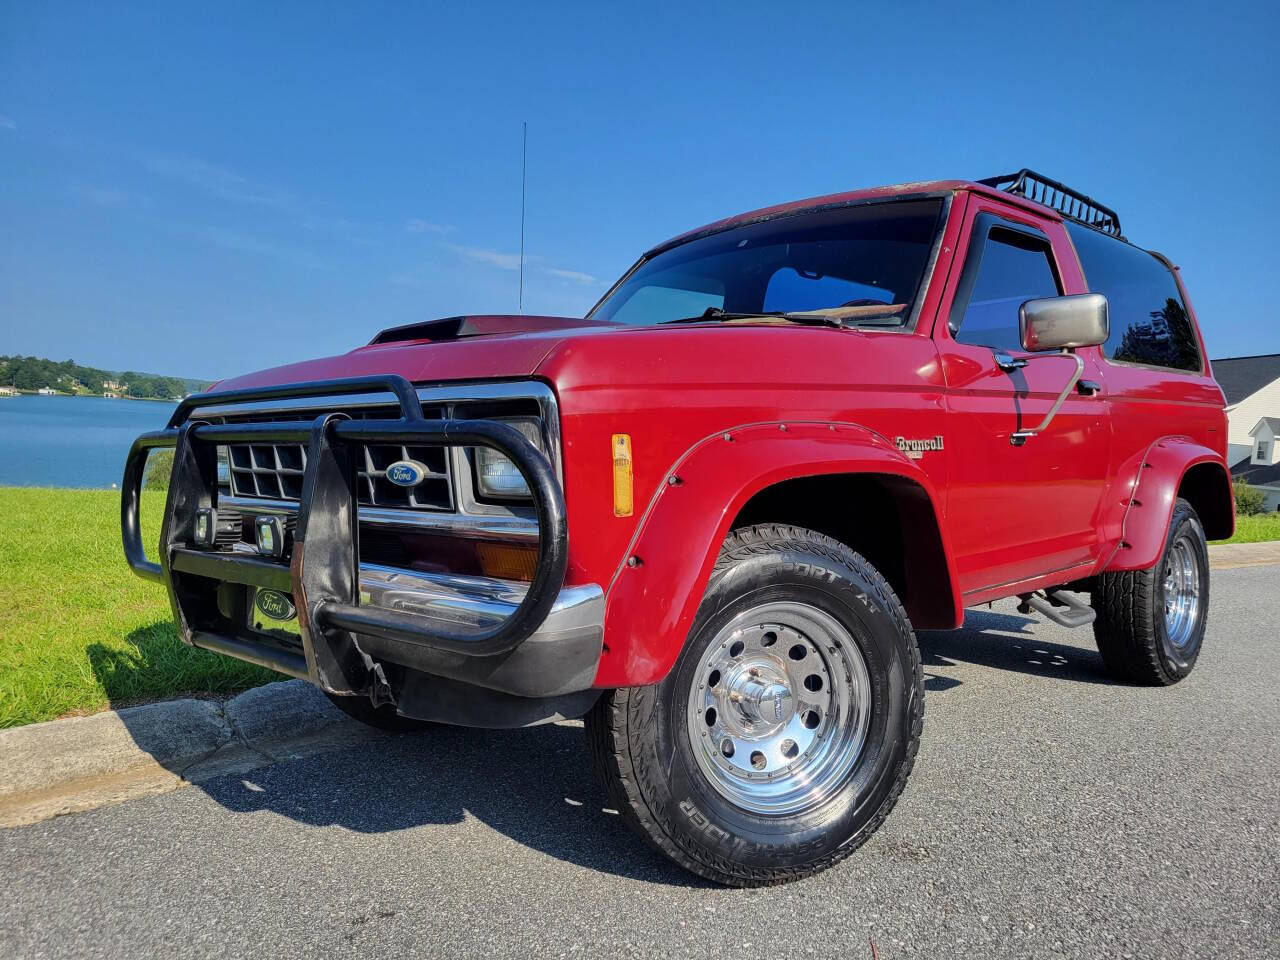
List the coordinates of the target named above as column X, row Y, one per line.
column 1264, row 451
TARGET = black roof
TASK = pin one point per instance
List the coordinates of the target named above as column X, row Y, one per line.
column 1241, row 376
column 1257, row 474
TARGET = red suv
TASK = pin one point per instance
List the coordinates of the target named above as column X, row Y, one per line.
column 710, row 516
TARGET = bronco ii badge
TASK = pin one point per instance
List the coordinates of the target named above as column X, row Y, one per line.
column 274, row 604
column 406, row 473
column 916, row 449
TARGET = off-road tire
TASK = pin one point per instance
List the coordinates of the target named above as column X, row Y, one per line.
column 382, row 718
column 1130, row 628
column 643, row 755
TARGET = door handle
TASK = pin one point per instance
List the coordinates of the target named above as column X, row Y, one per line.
column 1007, row 363
column 1089, row 388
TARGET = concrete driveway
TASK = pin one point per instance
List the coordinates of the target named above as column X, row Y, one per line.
column 1052, row 813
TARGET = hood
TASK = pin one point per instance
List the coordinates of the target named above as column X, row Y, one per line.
column 478, row 347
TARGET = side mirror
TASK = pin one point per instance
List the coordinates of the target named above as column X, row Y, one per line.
column 1064, row 323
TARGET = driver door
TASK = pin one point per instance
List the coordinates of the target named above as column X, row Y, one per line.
column 1017, row 512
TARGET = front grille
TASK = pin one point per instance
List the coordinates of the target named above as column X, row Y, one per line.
column 274, row 471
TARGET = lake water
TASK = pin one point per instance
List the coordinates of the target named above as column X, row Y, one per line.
column 71, row 441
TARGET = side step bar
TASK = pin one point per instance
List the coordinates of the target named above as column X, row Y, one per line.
column 1064, row 609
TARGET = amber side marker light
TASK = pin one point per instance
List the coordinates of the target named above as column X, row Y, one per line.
column 623, row 476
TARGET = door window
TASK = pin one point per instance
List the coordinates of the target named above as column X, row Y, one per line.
column 1014, row 267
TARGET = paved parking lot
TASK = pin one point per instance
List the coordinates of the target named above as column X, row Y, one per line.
column 1051, row 812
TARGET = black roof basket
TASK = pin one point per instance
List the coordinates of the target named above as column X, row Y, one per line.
column 1072, row 204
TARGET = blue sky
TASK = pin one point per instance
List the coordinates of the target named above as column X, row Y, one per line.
column 203, row 192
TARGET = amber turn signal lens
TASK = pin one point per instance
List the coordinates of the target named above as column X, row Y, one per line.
column 623, row 476
column 505, row 561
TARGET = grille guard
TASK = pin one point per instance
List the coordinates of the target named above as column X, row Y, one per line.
column 323, row 575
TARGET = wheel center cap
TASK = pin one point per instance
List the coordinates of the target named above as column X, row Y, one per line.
column 762, row 699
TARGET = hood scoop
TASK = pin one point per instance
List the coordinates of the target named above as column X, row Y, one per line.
column 455, row 328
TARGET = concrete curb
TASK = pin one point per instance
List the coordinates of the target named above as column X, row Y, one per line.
column 1225, row 556
column 64, row 766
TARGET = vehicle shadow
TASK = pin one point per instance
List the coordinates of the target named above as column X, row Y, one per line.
column 155, row 663
column 533, row 785
column 1005, row 641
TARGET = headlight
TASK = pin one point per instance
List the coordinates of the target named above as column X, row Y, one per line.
column 498, row 477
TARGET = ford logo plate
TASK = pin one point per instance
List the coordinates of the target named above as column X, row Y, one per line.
column 274, row 604
column 406, row 473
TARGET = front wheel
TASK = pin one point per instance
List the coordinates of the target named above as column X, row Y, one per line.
column 1150, row 623
column 787, row 728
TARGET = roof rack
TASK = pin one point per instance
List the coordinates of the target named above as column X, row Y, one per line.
column 1072, row 204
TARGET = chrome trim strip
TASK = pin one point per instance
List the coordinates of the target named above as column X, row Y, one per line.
column 471, row 526
column 446, row 393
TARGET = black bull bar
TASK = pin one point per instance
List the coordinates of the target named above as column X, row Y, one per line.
column 323, row 573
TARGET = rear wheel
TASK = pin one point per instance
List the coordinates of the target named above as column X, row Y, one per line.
column 383, row 717
column 1150, row 624
column 787, row 728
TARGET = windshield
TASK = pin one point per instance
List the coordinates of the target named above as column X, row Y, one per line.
column 871, row 256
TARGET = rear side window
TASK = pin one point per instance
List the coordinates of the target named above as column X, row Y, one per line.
column 1149, row 323
column 1014, row 268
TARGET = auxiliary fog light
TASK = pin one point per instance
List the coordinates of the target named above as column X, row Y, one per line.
column 270, row 536
column 206, row 527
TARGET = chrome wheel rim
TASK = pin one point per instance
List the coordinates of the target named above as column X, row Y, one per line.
column 779, row 708
column 1181, row 592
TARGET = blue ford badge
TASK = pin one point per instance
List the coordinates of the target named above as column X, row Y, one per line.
column 406, row 473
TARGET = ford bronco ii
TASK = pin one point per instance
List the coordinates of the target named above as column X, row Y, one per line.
column 709, row 517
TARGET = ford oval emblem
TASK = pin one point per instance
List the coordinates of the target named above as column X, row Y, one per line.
column 406, row 473
column 274, row 604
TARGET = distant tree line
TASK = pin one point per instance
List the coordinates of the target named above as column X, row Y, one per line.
column 32, row 373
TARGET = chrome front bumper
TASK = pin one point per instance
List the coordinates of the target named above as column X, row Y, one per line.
column 559, row 657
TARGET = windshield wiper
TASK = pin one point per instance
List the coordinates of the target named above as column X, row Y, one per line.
column 839, row 317
column 815, row 319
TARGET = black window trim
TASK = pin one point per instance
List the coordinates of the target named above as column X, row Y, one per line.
column 1165, row 262
column 984, row 224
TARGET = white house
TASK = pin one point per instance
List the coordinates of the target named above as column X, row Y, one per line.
column 47, row 392
column 1252, row 386
column 1262, row 468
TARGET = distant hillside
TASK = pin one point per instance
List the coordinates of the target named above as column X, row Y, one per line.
column 67, row 376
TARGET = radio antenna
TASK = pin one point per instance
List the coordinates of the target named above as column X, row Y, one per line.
column 524, row 153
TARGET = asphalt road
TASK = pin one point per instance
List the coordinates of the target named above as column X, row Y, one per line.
column 1051, row 813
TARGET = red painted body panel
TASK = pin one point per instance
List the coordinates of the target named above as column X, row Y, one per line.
column 475, row 358
column 1146, row 520
column 669, row 387
column 1009, row 519
column 683, row 526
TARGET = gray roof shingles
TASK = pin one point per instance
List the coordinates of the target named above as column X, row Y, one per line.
column 1258, row 476
column 1241, row 376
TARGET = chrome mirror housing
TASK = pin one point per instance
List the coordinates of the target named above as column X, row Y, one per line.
column 1064, row 323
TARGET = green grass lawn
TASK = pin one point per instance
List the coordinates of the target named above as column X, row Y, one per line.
column 1255, row 529
column 78, row 631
